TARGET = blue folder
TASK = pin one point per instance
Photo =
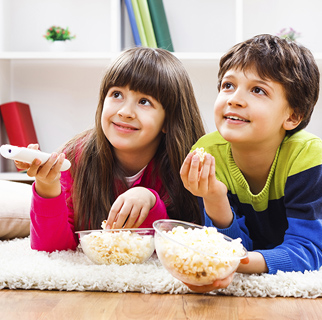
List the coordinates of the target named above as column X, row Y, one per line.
column 134, row 27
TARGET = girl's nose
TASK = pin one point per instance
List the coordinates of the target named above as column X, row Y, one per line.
column 237, row 100
column 126, row 111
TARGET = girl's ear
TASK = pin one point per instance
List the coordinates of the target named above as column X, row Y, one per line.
column 164, row 130
column 292, row 121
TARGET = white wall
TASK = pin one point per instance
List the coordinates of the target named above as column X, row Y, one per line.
column 63, row 94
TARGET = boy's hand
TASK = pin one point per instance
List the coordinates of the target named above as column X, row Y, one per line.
column 218, row 284
column 47, row 176
column 131, row 208
column 200, row 179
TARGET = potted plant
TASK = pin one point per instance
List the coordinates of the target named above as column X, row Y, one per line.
column 55, row 33
column 289, row 34
column 58, row 38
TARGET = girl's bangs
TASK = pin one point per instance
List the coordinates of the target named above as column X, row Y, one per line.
column 141, row 75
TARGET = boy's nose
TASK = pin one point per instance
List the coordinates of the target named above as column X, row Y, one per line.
column 237, row 100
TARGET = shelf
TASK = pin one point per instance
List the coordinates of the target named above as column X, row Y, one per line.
column 16, row 176
column 97, row 55
column 185, row 56
column 55, row 55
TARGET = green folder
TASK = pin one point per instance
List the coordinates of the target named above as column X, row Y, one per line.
column 147, row 23
column 139, row 23
column 160, row 24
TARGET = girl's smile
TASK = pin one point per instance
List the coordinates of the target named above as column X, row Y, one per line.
column 124, row 127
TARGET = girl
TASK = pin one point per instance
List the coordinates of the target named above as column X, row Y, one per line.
column 125, row 169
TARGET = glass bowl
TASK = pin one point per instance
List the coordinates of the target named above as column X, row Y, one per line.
column 119, row 246
column 194, row 254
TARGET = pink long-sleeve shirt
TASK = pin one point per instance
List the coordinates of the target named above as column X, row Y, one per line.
column 52, row 220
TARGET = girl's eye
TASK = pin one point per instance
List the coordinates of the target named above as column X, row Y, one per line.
column 117, row 95
column 227, row 86
column 145, row 102
column 259, row 90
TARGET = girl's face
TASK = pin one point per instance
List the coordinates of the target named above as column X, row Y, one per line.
column 132, row 122
column 250, row 110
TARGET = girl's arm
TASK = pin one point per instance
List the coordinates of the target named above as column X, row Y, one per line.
column 52, row 223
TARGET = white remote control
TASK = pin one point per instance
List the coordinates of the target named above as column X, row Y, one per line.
column 28, row 155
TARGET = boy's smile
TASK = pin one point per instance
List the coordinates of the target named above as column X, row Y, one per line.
column 250, row 110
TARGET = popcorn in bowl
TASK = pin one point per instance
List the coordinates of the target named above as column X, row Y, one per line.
column 119, row 246
column 194, row 254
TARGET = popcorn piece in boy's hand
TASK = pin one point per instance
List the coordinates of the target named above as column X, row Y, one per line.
column 201, row 153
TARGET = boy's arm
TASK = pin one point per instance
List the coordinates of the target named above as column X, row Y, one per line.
column 302, row 246
column 238, row 229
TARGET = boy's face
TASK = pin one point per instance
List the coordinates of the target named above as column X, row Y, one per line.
column 250, row 110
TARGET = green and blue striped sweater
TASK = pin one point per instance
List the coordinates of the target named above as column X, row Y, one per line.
column 284, row 221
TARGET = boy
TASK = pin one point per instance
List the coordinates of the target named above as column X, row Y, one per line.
column 262, row 177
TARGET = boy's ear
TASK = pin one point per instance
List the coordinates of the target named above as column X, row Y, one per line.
column 292, row 121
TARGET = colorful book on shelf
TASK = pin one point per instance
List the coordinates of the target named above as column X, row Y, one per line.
column 139, row 22
column 18, row 122
column 160, row 24
column 147, row 23
column 134, row 26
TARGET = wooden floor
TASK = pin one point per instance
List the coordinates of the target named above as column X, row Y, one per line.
column 34, row 304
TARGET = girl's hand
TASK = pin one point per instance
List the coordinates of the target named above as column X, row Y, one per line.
column 131, row 208
column 47, row 176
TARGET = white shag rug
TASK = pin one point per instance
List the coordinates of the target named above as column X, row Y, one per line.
column 23, row 268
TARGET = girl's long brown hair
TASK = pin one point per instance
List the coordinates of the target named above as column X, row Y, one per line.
column 158, row 73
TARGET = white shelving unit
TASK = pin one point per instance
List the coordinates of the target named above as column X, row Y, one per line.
column 62, row 87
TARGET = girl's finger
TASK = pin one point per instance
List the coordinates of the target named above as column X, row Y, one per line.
column 54, row 171
column 34, row 168
column 115, row 209
column 143, row 215
column 123, row 214
column 132, row 217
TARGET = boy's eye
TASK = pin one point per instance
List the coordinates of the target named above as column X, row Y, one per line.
column 145, row 102
column 259, row 90
column 227, row 86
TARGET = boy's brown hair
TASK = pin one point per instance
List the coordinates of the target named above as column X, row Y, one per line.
column 283, row 61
